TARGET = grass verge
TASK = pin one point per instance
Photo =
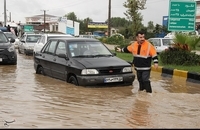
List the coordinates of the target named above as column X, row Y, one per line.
column 129, row 57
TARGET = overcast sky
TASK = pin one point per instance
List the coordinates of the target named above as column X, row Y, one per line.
column 97, row 10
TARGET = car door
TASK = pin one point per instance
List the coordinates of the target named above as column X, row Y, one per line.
column 47, row 56
column 20, row 46
column 58, row 67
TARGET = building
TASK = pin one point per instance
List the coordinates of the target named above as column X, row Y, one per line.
column 53, row 24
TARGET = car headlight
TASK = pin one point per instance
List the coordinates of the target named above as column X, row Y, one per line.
column 127, row 69
column 89, row 71
column 11, row 49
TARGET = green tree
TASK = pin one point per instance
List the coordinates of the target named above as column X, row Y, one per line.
column 71, row 16
column 133, row 14
column 150, row 26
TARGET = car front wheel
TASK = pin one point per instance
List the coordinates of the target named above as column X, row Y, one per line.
column 73, row 80
column 40, row 70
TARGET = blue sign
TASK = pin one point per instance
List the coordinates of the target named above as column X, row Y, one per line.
column 165, row 21
column 70, row 30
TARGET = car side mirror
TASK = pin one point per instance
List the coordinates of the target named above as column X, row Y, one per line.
column 114, row 53
column 12, row 40
column 62, row 55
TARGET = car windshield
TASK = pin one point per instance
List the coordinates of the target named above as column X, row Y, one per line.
column 10, row 35
column 3, row 38
column 167, row 42
column 32, row 38
column 88, row 49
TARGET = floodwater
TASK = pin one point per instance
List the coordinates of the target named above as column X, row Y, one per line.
column 34, row 101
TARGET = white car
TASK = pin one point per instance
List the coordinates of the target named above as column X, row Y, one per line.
column 161, row 44
column 27, row 43
column 44, row 38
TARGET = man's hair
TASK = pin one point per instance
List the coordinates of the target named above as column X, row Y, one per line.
column 139, row 32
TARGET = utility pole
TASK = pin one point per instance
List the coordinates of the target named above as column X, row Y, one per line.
column 44, row 19
column 10, row 17
column 109, row 17
column 5, row 16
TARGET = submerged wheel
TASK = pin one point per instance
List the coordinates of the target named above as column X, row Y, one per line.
column 19, row 51
column 40, row 70
column 73, row 80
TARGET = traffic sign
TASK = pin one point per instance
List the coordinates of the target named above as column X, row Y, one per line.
column 182, row 15
column 28, row 28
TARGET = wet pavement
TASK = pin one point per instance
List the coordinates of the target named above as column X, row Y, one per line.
column 29, row 100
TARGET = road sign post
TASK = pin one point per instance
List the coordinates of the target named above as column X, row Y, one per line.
column 182, row 15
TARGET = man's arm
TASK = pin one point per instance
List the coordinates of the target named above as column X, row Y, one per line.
column 124, row 49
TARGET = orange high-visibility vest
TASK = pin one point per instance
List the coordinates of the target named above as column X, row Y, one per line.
column 143, row 55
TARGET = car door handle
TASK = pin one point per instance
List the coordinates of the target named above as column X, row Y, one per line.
column 54, row 59
column 43, row 56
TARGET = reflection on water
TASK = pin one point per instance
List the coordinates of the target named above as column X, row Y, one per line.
column 36, row 101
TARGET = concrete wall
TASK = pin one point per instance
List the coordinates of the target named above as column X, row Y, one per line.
column 69, row 27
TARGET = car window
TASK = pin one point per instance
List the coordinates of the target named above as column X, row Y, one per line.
column 10, row 35
column 87, row 48
column 32, row 38
column 61, row 49
column 3, row 38
column 156, row 42
column 50, row 49
column 23, row 37
column 167, row 42
column 39, row 41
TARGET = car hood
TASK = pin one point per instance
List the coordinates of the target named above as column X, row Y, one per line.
column 4, row 45
column 102, row 62
column 30, row 44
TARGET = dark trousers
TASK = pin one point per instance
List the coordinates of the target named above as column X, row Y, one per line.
column 143, row 77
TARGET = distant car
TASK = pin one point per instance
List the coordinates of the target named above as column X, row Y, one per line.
column 44, row 38
column 8, row 53
column 87, row 36
column 82, row 62
column 11, row 35
column 27, row 43
column 161, row 44
column 4, row 29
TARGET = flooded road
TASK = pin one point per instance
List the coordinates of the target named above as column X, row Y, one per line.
column 34, row 101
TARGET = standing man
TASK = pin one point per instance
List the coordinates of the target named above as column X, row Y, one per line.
column 143, row 54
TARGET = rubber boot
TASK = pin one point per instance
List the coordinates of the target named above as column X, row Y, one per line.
column 147, row 86
column 141, row 86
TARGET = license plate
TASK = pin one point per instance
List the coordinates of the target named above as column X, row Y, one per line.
column 113, row 79
column 1, row 59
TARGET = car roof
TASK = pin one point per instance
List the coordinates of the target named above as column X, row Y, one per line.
column 56, row 34
column 160, row 38
column 75, row 39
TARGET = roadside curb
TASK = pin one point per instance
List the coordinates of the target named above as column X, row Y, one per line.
column 190, row 76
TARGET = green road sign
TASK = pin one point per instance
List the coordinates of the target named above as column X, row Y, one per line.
column 182, row 15
column 28, row 28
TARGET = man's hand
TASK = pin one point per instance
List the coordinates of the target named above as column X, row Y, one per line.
column 156, row 65
column 118, row 49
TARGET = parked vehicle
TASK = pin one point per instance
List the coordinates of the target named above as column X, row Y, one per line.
column 11, row 35
column 8, row 53
column 27, row 43
column 87, row 36
column 82, row 62
column 161, row 43
column 3, row 29
column 44, row 38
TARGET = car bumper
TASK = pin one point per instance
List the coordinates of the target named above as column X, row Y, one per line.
column 10, row 57
column 29, row 51
column 100, row 80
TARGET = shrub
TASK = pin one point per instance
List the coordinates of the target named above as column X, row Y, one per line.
column 177, row 56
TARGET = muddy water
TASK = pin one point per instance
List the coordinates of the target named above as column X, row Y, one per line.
column 34, row 101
